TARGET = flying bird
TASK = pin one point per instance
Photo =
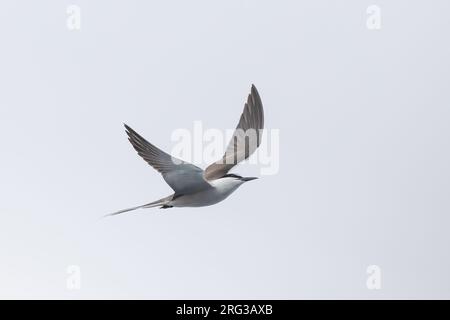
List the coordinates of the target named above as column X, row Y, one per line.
column 192, row 186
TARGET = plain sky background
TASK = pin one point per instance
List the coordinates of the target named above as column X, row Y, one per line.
column 364, row 173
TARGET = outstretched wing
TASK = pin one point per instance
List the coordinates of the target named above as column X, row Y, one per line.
column 181, row 176
column 246, row 138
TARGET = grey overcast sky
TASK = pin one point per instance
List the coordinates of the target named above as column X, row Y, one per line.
column 364, row 175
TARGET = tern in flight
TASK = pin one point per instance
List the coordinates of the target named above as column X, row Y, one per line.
column 192, row 186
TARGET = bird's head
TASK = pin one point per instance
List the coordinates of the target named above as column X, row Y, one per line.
column 238, row 178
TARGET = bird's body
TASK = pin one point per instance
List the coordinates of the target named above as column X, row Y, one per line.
column 193, row 186
column 220, row 189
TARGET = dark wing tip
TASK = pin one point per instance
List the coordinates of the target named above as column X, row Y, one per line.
column 254, row 91
column 257, row 106
column 132, row 135
column 136, row 140
column 255, row 94
column 128, row 128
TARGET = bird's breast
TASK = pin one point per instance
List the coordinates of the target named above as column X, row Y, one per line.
column 203, row 198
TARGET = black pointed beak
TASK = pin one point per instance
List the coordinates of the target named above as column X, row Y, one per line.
column 245, row 179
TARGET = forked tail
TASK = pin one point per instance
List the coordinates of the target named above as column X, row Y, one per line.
column 161, row 202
